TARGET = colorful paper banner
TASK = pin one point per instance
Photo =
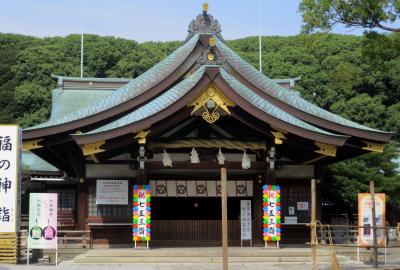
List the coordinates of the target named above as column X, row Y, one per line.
column 272, row 212
column 141, row 213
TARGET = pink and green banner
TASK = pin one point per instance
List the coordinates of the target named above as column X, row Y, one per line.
column 42, row 232
column 272, row 213
column 141, row 213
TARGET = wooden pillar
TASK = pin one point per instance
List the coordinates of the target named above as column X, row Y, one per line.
column 142, row 174
column 82, row 204
column 374, row 237
column 313, row 224
column 258, row 211
column 224, row 202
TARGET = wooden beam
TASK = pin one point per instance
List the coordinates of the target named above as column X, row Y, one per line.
column 204, row 165
column 374, row 236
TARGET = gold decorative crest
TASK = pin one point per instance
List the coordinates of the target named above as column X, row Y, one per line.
column 211, row 104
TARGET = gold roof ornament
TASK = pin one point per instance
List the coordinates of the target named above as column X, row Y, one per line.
column 326, row 149
column 374, row 147
column 30, row 145
column 212, row 42
column 211, row 104
column 205, row 7
column 141, row 136
column 278, row 136
column 92, row 148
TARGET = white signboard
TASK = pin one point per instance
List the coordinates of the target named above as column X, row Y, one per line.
column 42, row 232
column 365, row 232
column 245, row 219
column 10, row 157
column 290, row 220
column 302, row 206
column 112, row 192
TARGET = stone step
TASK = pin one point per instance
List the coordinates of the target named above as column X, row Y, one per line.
column 196, row 259
column 259, row 252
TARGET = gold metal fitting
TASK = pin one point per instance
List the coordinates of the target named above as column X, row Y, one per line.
column 205, row 7
column 211, row 41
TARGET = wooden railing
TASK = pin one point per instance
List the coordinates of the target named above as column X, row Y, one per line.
column 196, row 230
column 66, row 239
column 347, row 235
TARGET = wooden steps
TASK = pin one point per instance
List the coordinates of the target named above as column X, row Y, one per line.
column 8, row 248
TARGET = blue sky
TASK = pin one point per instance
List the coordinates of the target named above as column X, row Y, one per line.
column 148, row 20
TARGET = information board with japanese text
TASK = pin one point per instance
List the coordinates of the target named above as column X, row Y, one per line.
column 42, row 233
column 10, row 162
column 245, row 219
column 112, row 192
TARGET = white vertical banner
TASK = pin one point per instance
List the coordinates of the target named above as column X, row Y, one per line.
column 10, row 162
column 42, row 233
column 245, row 220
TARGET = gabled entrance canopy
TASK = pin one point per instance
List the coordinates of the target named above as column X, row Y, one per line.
column 202, row 95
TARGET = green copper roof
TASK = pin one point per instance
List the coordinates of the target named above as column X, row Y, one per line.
column 135, row 87
column 163, row 101
column 66, row 101
column 263, row 105
column 275, row 90
column 32, row 162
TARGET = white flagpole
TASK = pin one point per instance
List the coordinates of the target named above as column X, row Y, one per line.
column 81, row 38
column 259, row 37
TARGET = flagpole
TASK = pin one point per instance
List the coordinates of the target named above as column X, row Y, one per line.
column 259, row 36
column 81, row 38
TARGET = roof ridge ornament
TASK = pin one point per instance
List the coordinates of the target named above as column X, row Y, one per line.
column 204, row 23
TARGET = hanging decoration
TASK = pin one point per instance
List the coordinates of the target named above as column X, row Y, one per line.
column 220, row 157
column 194, row 156
column 166, row 159
column 141, row 213
column 246, row 163
column 272, row 213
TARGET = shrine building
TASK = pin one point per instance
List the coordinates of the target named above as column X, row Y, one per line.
column 173, row 127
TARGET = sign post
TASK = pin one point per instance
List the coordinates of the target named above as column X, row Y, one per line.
column 245, row 221
column 272, row 214
column 42, row 232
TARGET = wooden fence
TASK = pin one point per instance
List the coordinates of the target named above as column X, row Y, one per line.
column 193, row 230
